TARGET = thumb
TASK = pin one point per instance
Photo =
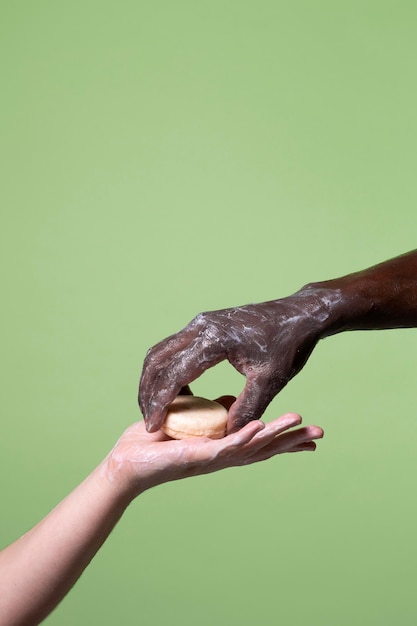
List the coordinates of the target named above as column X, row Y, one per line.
column 251, row 403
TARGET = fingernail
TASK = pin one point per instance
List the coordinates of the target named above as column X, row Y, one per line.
column 150, row 424
column 152, row 428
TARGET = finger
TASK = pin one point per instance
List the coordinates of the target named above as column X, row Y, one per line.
column 268, row 453
column 183, row 368
column 284, row 422
column 239, row 439
column 158, row 404
column 298, row 436
column 160, row 389
column 295, row 441
column 286, row 441
column 309, row 446
column 158, row 358
column 272, row 431
column 215, row 449
column 250, row 405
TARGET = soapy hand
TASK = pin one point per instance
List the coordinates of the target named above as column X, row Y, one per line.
column 268, row 343
column 142, row 460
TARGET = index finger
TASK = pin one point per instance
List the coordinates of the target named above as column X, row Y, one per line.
column 171, row 365
column 156, row 386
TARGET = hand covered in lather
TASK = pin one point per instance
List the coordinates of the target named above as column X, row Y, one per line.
column 141, row 460
column 269, row 343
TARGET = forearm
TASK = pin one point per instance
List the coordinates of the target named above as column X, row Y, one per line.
column 381, row 297
column 37, row 570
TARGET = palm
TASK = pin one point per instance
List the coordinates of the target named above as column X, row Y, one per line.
column 154, row 458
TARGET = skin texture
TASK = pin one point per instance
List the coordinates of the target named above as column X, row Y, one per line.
column 39, row 568
column 270, row 342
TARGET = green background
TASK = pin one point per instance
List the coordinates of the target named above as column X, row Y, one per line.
column 163, row 158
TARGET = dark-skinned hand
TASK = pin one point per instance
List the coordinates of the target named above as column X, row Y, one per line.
column 270, row 342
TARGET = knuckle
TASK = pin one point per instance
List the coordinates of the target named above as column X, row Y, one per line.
column 149, row 355
column 201, row 319
column 206, row 326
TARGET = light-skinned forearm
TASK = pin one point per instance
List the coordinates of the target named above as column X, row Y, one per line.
column 37, row 570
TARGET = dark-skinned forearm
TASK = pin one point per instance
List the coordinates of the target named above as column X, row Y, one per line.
column 380, row 297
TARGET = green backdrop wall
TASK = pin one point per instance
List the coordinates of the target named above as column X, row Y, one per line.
column 164, row 158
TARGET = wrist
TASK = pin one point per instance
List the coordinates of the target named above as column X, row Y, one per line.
column 333, row 305
column 113, row 488
column 122, row 477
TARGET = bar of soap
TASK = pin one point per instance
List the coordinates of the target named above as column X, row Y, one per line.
column 191, row 416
